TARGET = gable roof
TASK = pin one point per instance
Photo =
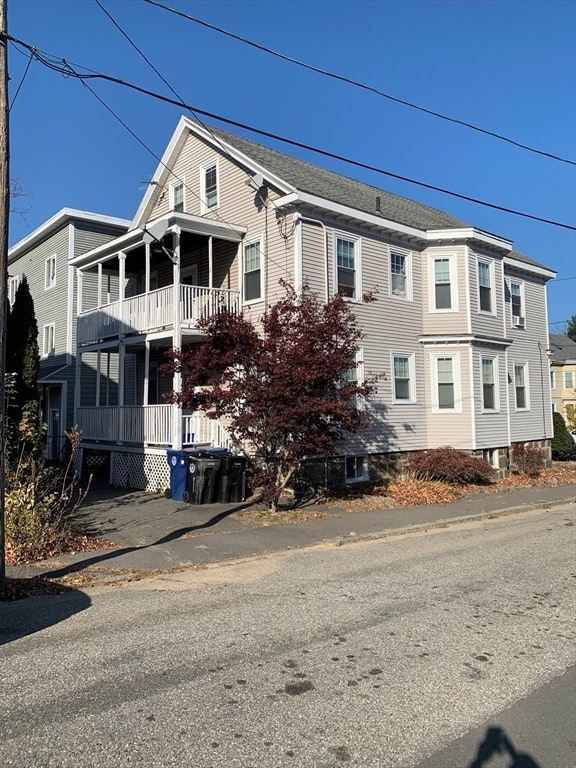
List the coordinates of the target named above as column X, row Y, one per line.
column 562, row 348
column 290, row 174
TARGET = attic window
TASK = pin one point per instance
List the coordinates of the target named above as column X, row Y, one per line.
column 209, row 182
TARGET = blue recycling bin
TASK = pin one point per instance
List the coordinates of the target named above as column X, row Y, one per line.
column 178, row 463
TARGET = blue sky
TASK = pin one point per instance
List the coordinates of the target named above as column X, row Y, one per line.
column 509, row 67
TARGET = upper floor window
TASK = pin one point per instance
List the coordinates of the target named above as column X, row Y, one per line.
column 355, row 375
column 403, row 367
column 485, row 286
column 177, row 196
column 443, row 295
column 252, row 283
column 48, row 340
column 50, row 272
column 568, row 379
column 348, row 267
column 400, row 274
column 520, row 385
column 489, row 388
column 209, row 184
column 553, row 379
column 13, row 283
column 517, row 303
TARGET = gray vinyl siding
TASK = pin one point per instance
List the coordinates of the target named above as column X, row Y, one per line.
column 529, row 346
column 491, row 427
column 88, row 235
column 314, row 264
column 448, row 321
column 483, row 323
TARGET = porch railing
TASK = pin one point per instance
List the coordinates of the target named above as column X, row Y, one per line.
column 149, row 311
column 147, row 425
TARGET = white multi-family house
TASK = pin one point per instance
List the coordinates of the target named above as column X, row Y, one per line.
column 459, row 327
column 45, row 257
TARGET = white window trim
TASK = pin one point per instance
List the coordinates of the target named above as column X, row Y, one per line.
column 552, row 379
column 173, row 185
column 521, row 322
column 524, row 364
column 357, row 264
column 411, row 381
column 49, row 284
column 365, row 471
column 453, row 263
column 251, row 241
column 408, row 257
column 456, row 373
column 204, row 208
column 496, row 372
column 13, row 283
column 52, row 351
column 564, row 379
column 490, row 264
column 190, row 271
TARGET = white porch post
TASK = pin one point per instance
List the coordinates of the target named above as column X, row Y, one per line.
column 146, row 371
column 98, row 376
column 100, row 284
column 210, row 264
column 177, row 341
column 147, row 267
column 121, row 288
column 121, row 358
column 79, row 276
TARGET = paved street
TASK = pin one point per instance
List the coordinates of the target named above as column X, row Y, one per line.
column 374, row 654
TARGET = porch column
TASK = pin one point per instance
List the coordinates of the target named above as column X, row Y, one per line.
column 100, row 284
column 146, row 370
column 121, row 290
column 147, row 268
column 79, row 276
column 177, row 341
column 121, row 358
column 98, row 377
column 210, row 264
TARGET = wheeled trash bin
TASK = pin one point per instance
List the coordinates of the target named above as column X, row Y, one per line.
column 177, row 461
column 202, row 479
column 232, row 486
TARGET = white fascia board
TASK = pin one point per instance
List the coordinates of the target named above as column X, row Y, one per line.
column 469, row 233
column 229, row 149
column 107, row 250
column 59, row 220
column 549, row 274
column 161, row 173
column 352, row 213
column 463, row 339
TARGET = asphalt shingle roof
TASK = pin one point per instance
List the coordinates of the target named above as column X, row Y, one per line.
column 562, row 348
column 343, row 190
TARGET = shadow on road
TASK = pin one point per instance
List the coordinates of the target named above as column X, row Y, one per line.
column 497, row 743
column 20, row 618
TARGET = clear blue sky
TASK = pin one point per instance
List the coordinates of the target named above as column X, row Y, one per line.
column 509, row 67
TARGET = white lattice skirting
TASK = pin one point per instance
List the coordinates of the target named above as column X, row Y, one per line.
column 146, row 471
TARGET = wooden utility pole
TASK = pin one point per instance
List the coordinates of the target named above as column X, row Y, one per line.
column 4, row 215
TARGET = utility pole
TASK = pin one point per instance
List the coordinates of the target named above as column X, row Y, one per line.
column 4, row 215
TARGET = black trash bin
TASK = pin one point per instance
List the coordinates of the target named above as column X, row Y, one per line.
column 232, row 486
column 202, row 479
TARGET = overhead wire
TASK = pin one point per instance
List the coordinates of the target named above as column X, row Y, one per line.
column 65, row 69
column 21, row 83
column 358, row 84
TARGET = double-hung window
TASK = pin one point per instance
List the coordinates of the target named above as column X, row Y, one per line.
column 485, row 286
column 13, row 283
column 177, row 196
column 552, row 379
column 50, row 272
column 209, row 184
column 489, row 388
column 355, row 375
column 521, row 385
column 516, row 301
column 403, row 367
column 568, row 379
column 400, row 275
column 252, row 282
column 348, row 267
column 442, row 284
column 446, row 393
column 48, row 340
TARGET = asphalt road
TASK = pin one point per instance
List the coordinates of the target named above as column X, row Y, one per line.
column 372, row 654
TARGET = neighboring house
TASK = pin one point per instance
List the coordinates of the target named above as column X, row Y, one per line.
column 459, row 326
column 562, row 373
column 45, row 257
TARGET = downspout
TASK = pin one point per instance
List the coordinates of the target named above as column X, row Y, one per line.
column 299, row 257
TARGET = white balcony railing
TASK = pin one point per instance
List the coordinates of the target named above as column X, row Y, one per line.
column 154, row 310
column 147, row 425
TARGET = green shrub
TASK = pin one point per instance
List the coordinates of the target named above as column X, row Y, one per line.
column 450, row 466
column 528, row 459
column 561, row 442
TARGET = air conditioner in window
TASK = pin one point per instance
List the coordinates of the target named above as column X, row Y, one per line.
column 518, row 321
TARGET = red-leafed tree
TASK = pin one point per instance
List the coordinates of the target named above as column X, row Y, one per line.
column 285, row 389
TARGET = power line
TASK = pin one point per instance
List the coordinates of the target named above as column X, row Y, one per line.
column 357, row 84
column 65, row 68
